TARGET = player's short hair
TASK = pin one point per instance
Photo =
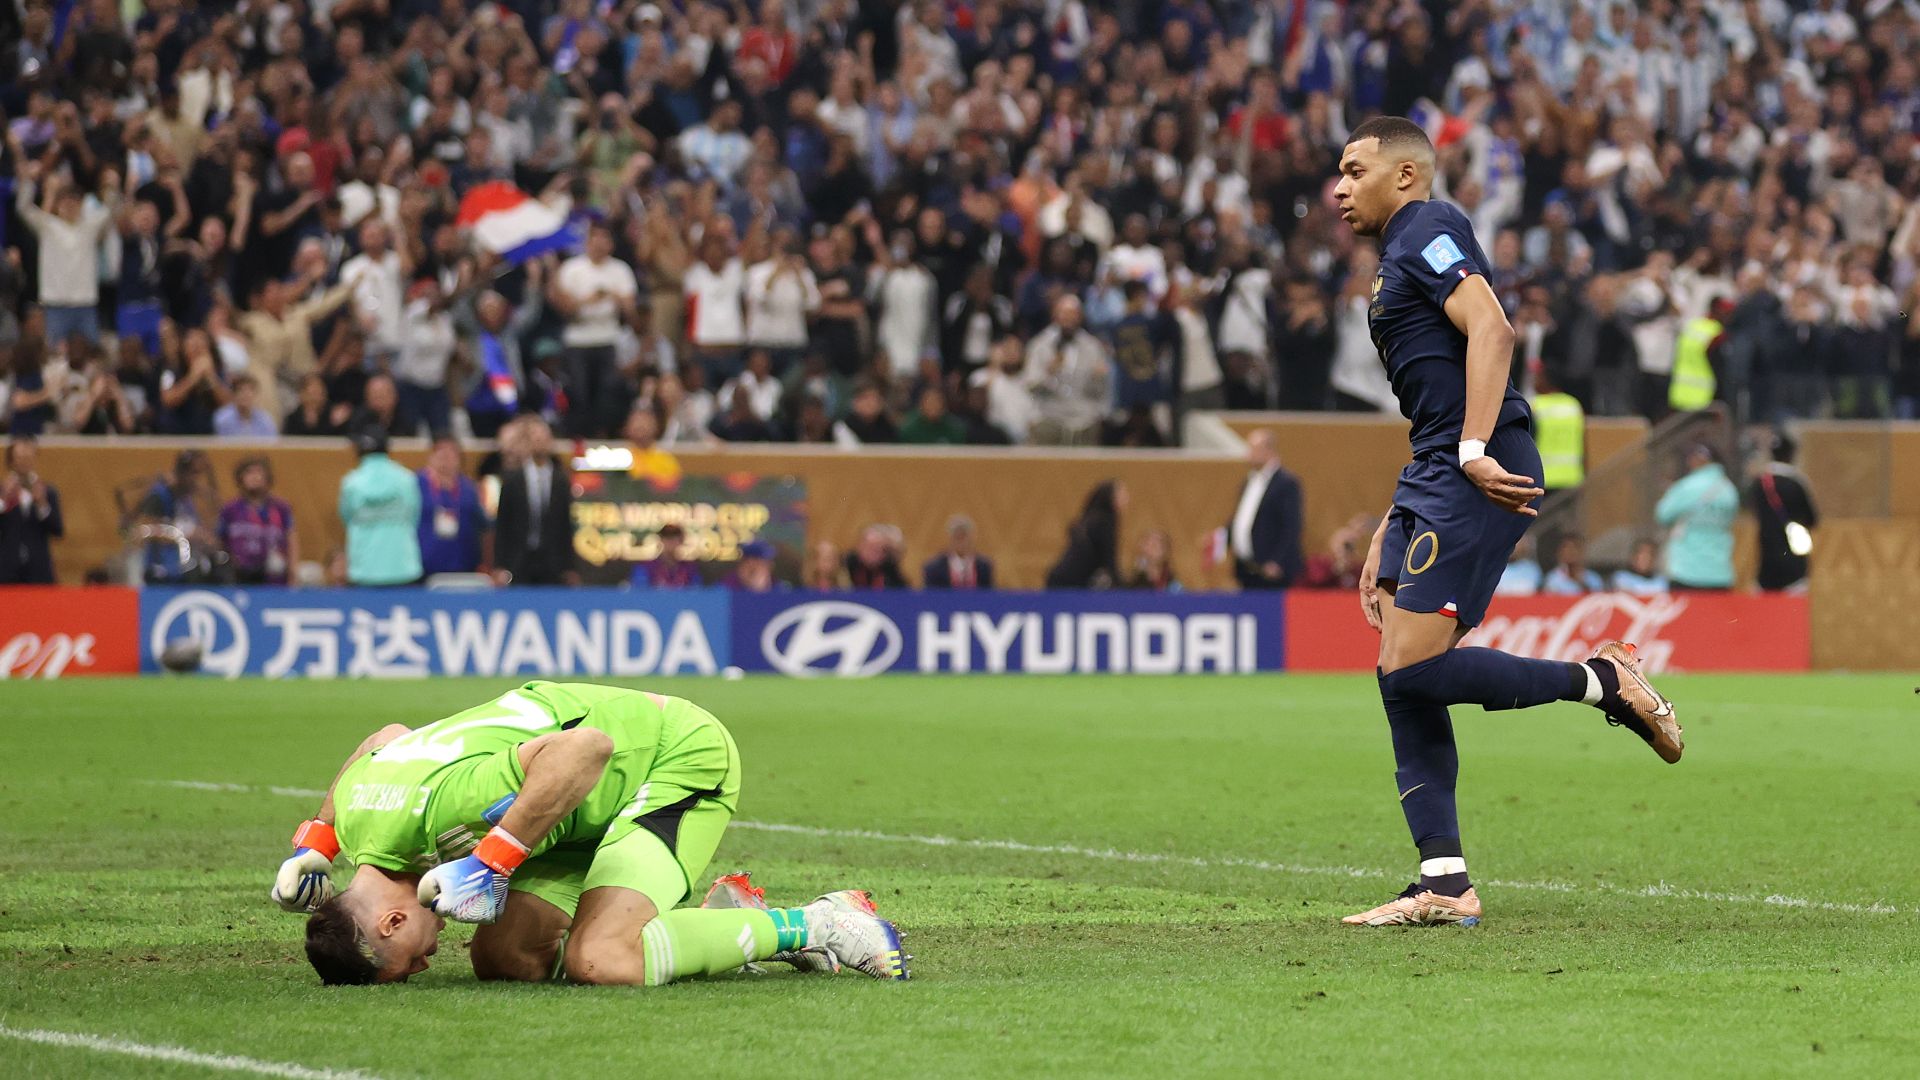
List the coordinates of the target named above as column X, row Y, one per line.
column 1396, row 133
column 336, row 948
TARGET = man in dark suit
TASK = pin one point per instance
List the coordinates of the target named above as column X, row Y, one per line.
column 533, row 533
column 960, row 566
column 1264, row 533
column 29, row 517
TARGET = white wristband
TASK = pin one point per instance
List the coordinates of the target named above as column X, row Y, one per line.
column 1472, row 450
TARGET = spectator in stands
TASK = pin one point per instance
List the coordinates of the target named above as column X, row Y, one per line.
column 874, row 563
column 757, row 384
column 492, row 331
column 781, row 294
column 716, row 291
column 96, row 404
column 738, row 422
column 867, row 420
column 1067, row 371
column 1570, row 575
column 960, row 566
column 381, row 408
column 30, row 517
column 453, row 524
column 754, row 572
column 670, row 569
column 380, row 509
column 242, row 417
column 1090, row 560
column 192, row 390
column 1009, row 404
column 1641, row 576
column 826, row 570
column 379, row 275
column 68, row 227
column 1153, row 564
column 1698, row 512
column 1523, row 575
column 972, row 321
column 594, row 293
column 279, row 334
column 1339, row 566
column 932, row 423
column 314, row 415
column 906, row 297
column 1781, row 500
column 256, row 528
column 533, row 530
column 186, row 501
column 30, row 402
column 427, row 341
column 1264, row 533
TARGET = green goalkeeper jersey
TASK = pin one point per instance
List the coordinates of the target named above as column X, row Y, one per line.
column 421, row 799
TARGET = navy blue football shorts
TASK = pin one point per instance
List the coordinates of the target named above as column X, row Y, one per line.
column 1447, row 543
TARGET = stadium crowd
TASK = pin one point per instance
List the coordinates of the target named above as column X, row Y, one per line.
column 855, row 221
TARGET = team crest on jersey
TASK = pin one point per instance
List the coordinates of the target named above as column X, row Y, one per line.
column 1442, row 253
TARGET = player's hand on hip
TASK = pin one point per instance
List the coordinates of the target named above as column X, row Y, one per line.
column 305, row 880
column 1510, row 491
column 1370, row 585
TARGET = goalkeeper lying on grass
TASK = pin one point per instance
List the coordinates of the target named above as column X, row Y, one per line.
column 556, row 811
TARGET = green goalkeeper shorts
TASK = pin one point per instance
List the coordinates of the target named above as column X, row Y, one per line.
column 663, row 842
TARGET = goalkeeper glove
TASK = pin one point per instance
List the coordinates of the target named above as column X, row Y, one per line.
column 474, row 889
column 305, row 880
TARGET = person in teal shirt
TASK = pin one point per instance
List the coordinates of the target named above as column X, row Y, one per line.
column 380, row 506
column 1698, row 510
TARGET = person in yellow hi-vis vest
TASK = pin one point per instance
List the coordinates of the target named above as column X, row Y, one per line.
column 1692, row 385
column 1560, row 431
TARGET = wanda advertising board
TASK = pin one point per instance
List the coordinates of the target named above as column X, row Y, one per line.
column 1674, row 632
column 49, row 632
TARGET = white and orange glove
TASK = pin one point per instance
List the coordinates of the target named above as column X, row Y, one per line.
column 305, row 880
column 474, row 889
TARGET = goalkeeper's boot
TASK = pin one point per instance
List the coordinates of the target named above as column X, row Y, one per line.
column 1419, row 907
column 1638, row 707
column 845, row 923
column 739, row 891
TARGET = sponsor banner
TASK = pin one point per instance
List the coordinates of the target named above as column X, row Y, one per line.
column 49, row 632
column 1674, row 632
column 867, row 633
column 401, row 633
column 617, row 518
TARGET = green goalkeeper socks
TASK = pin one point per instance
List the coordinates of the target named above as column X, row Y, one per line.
column 703, row 941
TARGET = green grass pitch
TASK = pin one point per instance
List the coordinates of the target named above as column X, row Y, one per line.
column 1142, row 878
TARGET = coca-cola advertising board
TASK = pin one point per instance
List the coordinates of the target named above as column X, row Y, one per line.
column 49, row 632
column 1674, row 632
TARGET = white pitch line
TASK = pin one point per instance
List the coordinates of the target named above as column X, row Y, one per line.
column 228, row 1062
column 1662, row 891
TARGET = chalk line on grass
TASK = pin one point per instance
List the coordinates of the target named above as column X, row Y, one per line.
column 75, row 1040
column 1661, row 891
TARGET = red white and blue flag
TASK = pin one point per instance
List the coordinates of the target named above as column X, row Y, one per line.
column 514, row 225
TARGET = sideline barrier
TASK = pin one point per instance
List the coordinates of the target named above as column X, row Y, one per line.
column 1673, row 632
column 856, row 634
column 51, row 631
column 58, row 632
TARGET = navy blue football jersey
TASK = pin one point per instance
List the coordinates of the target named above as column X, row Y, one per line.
column 1427, row 251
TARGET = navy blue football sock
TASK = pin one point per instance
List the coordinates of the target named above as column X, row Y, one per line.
column 1488, row 678
column 1427, row 767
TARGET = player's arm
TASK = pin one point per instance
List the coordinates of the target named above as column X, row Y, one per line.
column 1370, row 574
column 560, row 770
column 305, row 879
column 1475, row 311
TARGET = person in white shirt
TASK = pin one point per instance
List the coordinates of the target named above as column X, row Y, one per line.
column 905, row 293
column 378, row 274
column 69, row 229
column 758, row 383
column 1010, row 405
column 781, row 295
column 595, row 293
column 716, row 296
column 426, row 348
column 1068, row 372
column 1136, row 258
